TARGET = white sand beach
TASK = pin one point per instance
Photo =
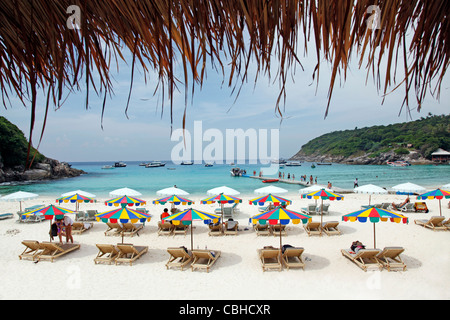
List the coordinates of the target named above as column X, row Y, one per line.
column 237, row 274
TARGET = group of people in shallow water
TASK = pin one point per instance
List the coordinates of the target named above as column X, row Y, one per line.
column 62, row 227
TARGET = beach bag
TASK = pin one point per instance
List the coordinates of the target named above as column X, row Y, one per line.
column 54, row 230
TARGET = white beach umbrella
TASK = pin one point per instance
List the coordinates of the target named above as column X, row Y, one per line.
column 408, row 188
column 81, row 192
column 19, row 196
column 370, row 189
column 270, row 189
column 224, row 190
column 124, row 192
column 172, row 191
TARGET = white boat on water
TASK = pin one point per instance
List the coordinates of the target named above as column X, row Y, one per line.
column 293, row 164
column 120, row 164
column 155, row 164
column 187, row 163
column 107, row 167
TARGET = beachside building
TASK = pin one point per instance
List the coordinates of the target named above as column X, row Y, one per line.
column 440, row 156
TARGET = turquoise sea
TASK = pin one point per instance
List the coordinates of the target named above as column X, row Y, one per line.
column 197, row 179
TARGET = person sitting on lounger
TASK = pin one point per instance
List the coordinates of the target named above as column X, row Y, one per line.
column 165, row 214
column 231, row 224
column 397, row 206
column 356, row 246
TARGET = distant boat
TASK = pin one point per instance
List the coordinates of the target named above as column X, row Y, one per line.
column 208, row 164
column 107, row 167
column 187, row 163
column 293, row 164
column 324, row 164
column 155, row 164
column 313, row 166
column 142, row 164
column 120, row 164
column 171, row 168
column 236, row 172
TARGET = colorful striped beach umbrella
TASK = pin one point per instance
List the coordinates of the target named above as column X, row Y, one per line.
column 125, row 201
column 276, row 200
column 174, row 199
column 186, row 217
column 435, row 194
column 49, row 213
column 123, row 215
column 374, row 215
column 280, row 216
column 222, row 199
column 75, row 198
column 323, row 195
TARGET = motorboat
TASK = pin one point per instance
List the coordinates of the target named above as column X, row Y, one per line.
column 155, row 164
column 237, row 172
column 208, row 164
column 187, row 163
column 107, row 167
column 120, row 164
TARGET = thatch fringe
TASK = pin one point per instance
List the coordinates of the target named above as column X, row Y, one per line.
column 38, row 50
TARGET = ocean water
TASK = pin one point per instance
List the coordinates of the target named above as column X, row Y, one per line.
column 197, row 179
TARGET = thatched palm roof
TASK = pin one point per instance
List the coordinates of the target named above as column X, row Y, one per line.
column 39, row 51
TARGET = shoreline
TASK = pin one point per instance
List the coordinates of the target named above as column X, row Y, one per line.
column 237, row 275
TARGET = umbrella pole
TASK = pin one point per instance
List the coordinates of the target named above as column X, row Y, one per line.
column 321, row 217
column 280, row 237
column 440, row 210
column 192, row 240
column 374, row 242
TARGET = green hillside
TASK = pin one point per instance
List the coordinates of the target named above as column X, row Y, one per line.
column 14, row 145
column 425, row 135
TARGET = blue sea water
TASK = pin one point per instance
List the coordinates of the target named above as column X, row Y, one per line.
column 197, row 179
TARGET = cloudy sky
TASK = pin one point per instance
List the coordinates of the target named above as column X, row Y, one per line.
column 74, row 134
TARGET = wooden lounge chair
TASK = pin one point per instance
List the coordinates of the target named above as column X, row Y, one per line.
column 311, row 209
column 215, row 230
column 130, row 230
column 276, row 229
column 107, row 253
column 434, row 223
column 446, row 223
column 409, row 207
column 292, row 258
column 32, row 250
column 262, row 229
column 55, row 250
column 114, row 229
column 365, row 258
column 129, row 253
column 270, row 258
column 80, row 227
column 331, row 228
column 231, row 230
column 204, row 259
column 165, row 229
column 179, row 258
column 312, row 228
column 390, row 258
column 180, row 229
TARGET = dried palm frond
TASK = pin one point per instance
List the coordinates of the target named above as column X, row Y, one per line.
column 38, row 50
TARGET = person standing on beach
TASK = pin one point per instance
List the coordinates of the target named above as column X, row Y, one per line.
column 68, row 223
column 355, row 184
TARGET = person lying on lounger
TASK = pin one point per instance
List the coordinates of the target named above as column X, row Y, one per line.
column 397, row 206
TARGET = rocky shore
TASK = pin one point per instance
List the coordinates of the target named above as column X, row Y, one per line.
column 414, row 157
column 47, row 170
